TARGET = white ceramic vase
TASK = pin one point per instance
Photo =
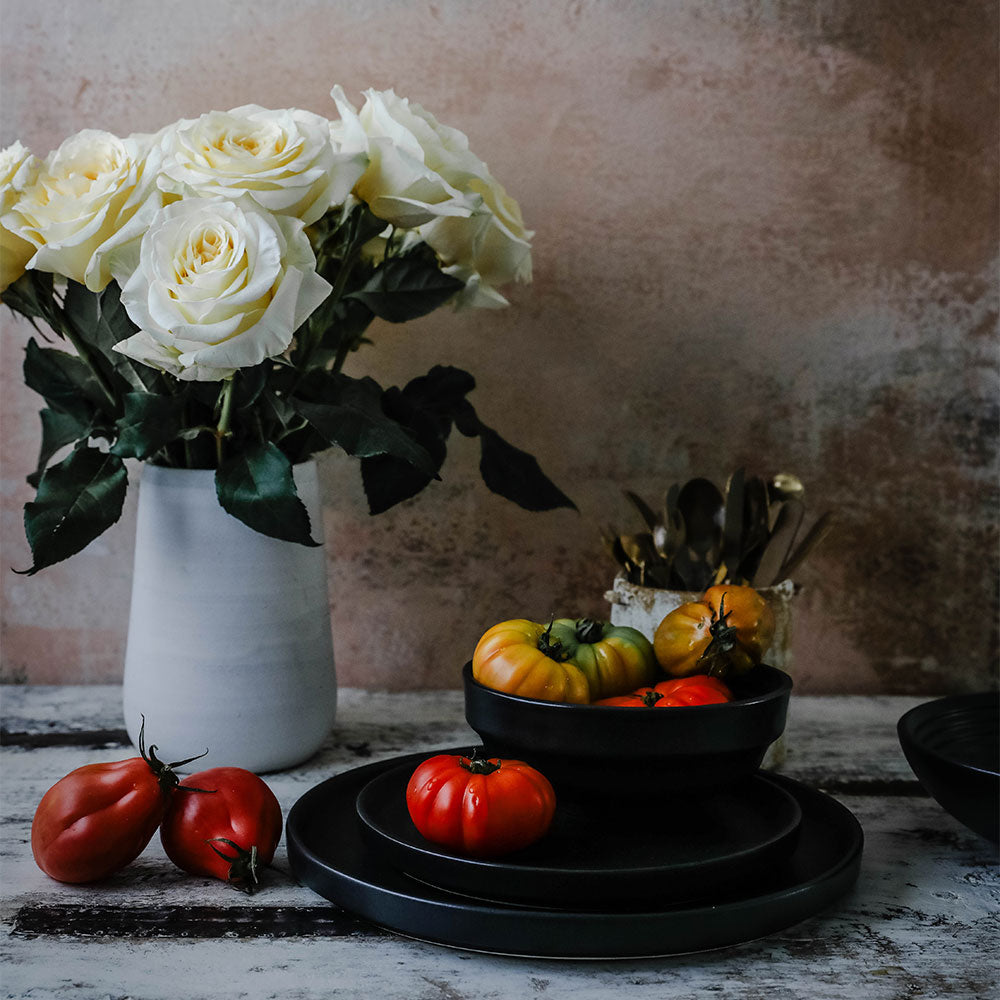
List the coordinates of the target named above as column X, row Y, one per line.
column 229, row 644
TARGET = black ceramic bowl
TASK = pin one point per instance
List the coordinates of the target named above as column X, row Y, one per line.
column 634, row 751
column 953, row 746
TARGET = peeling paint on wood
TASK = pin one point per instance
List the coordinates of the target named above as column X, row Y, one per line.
column 922, row 920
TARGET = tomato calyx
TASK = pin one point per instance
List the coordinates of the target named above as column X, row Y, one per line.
column 650, row 697
column 475, row 764
column 164, row 772
column 244, row 865
column 719, row 654
column 552, row 648
column 589, row 630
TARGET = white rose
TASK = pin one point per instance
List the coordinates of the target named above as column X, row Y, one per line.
column 488, row 249
column 285, row 160
column 422, row 175
column 90, row 196
column 18, row 168
column 220, row 285
column 407, row 151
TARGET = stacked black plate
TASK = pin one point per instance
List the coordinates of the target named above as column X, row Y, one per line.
column 630, row 868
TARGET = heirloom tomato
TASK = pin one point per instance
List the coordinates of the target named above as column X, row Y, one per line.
column 573, row 660
column 100, row 817
column 224, row 822
column 697, row 689
column 727, row 631
column 480, row 807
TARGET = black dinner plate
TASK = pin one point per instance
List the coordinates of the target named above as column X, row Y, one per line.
column 327, row 853
column 688, row 847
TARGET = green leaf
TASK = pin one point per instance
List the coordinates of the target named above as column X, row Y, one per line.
column 337, row 326
column 426, row 407
column 351, row 417
column 77, row 500
column 32, row 296
column 256, row 486
column 63, row 380
column 249, row 383
column 336, row 236
column 388, row 480
column 112, row 327
column 404, row 288
column 516, row 475
column 441, row 392
column 149, row 423
column 99, row 321
column 508, row 471
column 58, row 430
column 80, row 306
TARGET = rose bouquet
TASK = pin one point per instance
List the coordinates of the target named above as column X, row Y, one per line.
column 213, row 278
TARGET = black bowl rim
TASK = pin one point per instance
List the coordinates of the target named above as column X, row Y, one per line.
column 782, row 689
column 906, row 727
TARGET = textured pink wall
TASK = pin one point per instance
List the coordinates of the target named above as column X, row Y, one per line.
column 766, row 235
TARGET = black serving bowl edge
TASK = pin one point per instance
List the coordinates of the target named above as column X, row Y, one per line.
column 622, row 751
column 952, row 745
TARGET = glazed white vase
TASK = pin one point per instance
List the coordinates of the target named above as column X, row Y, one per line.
column 229, row 646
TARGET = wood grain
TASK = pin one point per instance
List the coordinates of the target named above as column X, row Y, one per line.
column 922, row 919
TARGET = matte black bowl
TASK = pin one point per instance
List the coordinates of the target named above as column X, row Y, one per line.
column 953, row 746
column 634, row 751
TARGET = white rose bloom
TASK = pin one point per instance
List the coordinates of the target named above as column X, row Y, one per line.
column 18, row 168
column 422, row 175
column 220, row 285
column 285, row 160
column 486, row 250
column 406, row 150
column 90, row 196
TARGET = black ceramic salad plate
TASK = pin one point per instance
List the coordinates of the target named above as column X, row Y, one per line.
column 689, row 847
column 328, row 853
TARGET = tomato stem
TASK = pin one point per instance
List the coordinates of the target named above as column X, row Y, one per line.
column 242, row 873
column 552, row 648
column 651, row 697
column 479, row 765
column 724, row 640
column 164, row 772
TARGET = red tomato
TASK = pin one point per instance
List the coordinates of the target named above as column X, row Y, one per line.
column 696, row 690
column 224, row 822
column 480, row 807
column 100, row 817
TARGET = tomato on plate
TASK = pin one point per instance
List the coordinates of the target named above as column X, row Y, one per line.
column 572, row 660
column 224, row 822
column 100, row 817
column 480, row 807
column 727, row 631
column 698, row 689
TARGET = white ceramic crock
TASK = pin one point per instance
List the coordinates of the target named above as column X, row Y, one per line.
column 229, row 645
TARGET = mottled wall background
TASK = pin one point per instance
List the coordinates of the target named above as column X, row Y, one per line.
column 766, row 235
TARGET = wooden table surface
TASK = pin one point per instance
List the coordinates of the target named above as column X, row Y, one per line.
column 922, row 920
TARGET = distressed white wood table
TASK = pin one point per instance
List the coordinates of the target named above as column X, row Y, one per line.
column 922, row 921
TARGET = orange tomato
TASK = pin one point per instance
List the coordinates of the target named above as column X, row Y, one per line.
column 727, row 631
